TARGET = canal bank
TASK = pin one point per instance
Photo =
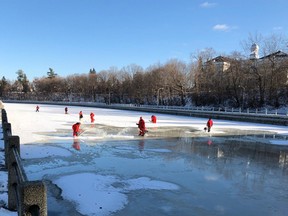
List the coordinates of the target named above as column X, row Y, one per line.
column 263, row 118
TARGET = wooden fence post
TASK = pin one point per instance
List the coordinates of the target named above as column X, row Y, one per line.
column 6, row 133
column 33, row 198
column 12, row 142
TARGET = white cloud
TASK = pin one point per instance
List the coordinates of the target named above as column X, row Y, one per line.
column 221, row 27
column 207, row 4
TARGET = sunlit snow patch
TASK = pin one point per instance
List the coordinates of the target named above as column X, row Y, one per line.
column 96, row 195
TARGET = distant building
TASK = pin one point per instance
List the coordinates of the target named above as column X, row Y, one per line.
column 221, row 63
column 279, row 59
column 278, row 56
column 254, row 52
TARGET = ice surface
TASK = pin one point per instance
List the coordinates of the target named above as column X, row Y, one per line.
column 175, row 170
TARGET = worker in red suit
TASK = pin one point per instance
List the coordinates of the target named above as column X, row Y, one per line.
column 209, row 124
column 153, row 119
column 141, row 126
column 92, row 117
column 76, row 129
column 80, row 115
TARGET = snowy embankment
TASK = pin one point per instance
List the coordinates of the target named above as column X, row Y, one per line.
column 96, row 192
column 264, row 116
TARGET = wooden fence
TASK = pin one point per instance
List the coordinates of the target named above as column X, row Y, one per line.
column 24, row 196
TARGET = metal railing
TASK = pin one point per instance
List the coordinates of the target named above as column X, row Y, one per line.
column 265, row 116
column 250, row 111
column 263, row 111
column 24, row 196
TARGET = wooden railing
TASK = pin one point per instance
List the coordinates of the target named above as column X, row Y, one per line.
column 24, row 196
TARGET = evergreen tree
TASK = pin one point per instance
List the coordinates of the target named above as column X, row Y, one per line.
column 3, row 85
column 51, row 73
column 23, row 81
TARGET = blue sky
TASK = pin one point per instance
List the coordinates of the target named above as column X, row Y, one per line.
column 72, row 36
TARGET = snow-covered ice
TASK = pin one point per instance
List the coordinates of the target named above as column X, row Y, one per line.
column 177, row 168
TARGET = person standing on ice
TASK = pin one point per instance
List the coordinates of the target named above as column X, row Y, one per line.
column 80, row 115
column 153, row 119
column 37, row 108
column 66, row 110
column 209, row 124
column 76, row 129
column 92, row 117
column 141, row 126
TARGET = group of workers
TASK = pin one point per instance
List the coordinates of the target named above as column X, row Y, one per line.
column 141, row 123
column 142, row 127
column 76, row 126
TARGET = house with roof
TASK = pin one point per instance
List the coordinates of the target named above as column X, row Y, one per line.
column 278, row 56
column 221, row 63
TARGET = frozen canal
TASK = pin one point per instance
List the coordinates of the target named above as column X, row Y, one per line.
column 177, row 169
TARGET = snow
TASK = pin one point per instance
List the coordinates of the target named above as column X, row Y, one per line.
column 103, row 193
column 97, row 192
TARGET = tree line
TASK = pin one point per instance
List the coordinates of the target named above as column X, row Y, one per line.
column 245, row 83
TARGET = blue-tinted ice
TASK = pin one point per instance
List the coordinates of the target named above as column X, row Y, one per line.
column 171, row 171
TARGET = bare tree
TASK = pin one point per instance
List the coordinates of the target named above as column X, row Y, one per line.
column 156, row 81
column 264, row 71
column 125, row 89
column 178, row 74
column 235, row 82
column 203, row 72
column 92, row 83
column 139, row 88
column 274, row 43
column 252, row 39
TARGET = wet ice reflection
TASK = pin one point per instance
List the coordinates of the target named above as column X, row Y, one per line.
column 178, row 175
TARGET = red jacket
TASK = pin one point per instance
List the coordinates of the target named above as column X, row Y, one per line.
column 141, row 124
column 76, row 129
column 153, row 119
column 209, row 123
column 92, row 115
